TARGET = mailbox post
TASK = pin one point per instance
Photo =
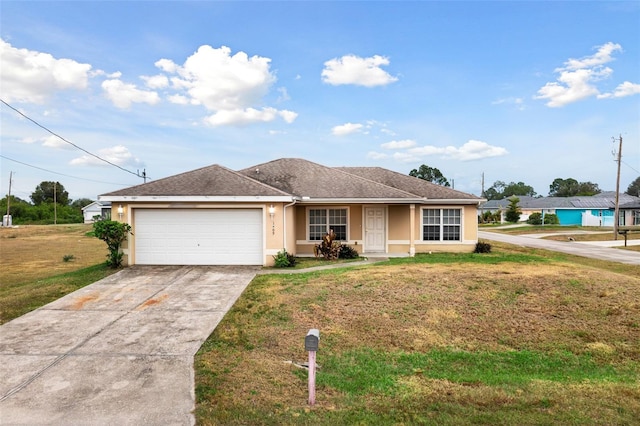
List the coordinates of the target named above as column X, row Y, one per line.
column 311, row 342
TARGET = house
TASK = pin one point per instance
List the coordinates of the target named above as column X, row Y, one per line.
column 215, row 215
column 97, row 208
column 596, row 210
column 630, row 213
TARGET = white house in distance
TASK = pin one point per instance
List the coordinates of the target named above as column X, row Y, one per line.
column 97, row 208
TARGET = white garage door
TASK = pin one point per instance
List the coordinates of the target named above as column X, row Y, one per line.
column 198, row 237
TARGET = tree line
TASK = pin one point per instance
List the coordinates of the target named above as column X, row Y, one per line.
column 49, row 203
column 500, row 190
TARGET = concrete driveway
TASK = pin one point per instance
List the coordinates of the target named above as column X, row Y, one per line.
column 117, row 352
column 593, row 251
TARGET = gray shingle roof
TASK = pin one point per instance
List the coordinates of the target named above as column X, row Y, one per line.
column 304, row 178
column 290, row 177
column 581, row 202
column 212, row 181
column 408, row 183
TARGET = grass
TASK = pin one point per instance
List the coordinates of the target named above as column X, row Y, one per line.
column 41, row 263
column 17, row 299
column 310, row 262
column 518, row 336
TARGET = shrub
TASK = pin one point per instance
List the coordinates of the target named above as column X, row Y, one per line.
column 348, row 252
column 328, row 248
column 482, row 247
column 284, row 259
column 535, row 219
column 68, row 257
column 549, row 219
column 114, row 234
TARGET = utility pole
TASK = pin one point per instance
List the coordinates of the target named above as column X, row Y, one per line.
column 9, row 199
column 55, row 205
column 617, row 209
column 482, row 193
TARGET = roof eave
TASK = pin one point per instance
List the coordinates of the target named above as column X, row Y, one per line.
column 310, row 200
column 196, row 198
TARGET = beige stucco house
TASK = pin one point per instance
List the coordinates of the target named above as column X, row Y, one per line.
column 217, row 216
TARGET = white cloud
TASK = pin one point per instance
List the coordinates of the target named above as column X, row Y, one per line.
column 119, row 155
column 55, row 142
column 351, row 69
column 220, row 81
column 346, row 129
column 377, row 155
column 241, row 117
column 405, row 157
column 625, row 89
column 30, row 76
column 228, row 85
column 601, row 57
column 517, row 102
column 472, row 150
column 156, row 81
column 123, row 95
column 406, row 143
column 578, row 77
column 178, row 99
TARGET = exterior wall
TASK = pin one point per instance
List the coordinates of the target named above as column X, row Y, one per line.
column 304, row 247
column 569, row 217
column 272, row 232
column 288, row 229
column 469, row 233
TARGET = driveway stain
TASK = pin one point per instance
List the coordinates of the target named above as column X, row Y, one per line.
column 152, row 302
column 79, row 302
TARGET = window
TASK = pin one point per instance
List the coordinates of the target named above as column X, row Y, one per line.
column 441, row 224
column 636, row 217
column 323, row 220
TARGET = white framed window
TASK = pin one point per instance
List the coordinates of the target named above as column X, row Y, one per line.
column 321, row 220
column 441, row 224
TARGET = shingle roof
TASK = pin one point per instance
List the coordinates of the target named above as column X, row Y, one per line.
column 581, row 202
column 408, row 183
column 295, row 177
column 213, row 181
column 304, row 178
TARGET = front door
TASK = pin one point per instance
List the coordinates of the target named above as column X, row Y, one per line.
column 374, row 229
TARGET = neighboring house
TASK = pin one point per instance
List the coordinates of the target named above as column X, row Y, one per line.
column 630, row 213
column 97, row 208
column 596, row 210
column 215, row 215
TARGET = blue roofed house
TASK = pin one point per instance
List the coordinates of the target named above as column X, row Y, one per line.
column 596, row 210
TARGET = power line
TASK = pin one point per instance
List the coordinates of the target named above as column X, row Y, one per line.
column 629, row 166
column 61, row 174
column 72, row 144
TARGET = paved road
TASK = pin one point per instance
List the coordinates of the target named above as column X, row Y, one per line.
column 571, row 247
column 117, row 352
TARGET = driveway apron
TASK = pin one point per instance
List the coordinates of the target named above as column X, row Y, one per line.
column 117, row 352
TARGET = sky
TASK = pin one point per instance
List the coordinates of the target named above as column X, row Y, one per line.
column 95, row 93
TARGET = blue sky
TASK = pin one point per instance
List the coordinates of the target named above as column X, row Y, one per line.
column 519, row 91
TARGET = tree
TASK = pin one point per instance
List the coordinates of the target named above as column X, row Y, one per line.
column 81, row 202
column 430, row 174
column 500, row 190
column 634, row 188
column 114, row 234
column 571, row 188
column 44, row 193
column 513, row 211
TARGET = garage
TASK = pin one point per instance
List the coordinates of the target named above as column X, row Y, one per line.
column 198, row 236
